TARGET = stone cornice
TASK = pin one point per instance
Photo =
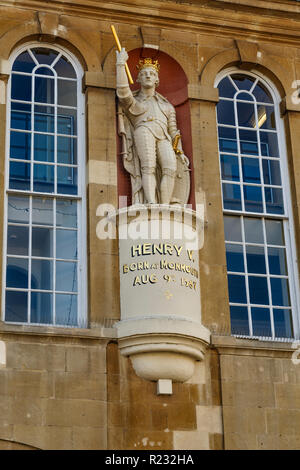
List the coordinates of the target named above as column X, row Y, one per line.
column 230, row 345
column 269, row 20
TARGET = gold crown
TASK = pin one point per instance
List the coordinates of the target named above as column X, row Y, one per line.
column 148, row 63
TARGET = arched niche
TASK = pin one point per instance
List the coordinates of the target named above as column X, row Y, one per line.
column 173, row 85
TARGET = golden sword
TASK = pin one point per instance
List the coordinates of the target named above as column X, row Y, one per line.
column 119, row 49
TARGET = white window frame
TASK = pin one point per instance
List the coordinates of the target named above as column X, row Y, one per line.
column 287, row 218
column 82, row 304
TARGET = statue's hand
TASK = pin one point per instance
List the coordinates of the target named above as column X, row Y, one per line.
column 122, row 57
column 185, row 159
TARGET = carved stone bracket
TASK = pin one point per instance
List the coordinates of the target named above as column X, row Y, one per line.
column 151, row 36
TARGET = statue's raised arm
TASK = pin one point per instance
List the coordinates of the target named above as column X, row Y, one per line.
column 153, row 154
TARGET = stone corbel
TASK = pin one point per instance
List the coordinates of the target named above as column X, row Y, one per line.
column 248, row 52
column 151, row 37
column 48, row 23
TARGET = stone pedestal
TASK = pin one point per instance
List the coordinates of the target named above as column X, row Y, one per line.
column 160, row 328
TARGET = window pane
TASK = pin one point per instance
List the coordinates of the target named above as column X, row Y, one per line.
column 230, row 168
column 253, row 198
column 41, row 307
column 227, row 139
column 19, row 175
column 17, row 240
column 237, row 289
column 18, row 209
column 246, row 115
column 232, row 196
column 269, row 144
column 274, row 200
column 44, row 55
column 44, row 118
column 67, row 150
column 248, row 142
column 235, row 258
column 258, row 289
column 283, row 323
column 20, row 145
column 66, row 180
column 16, row 306
column 266, row 117
column 66, row 309
column 274, row 231
column 44, row 148
column 67, row 93
column 239, row 320
column 24, row 63
column 245, row 96
column 44, row 71
column 277, row 261
column 66, row 244
column 44, row 90
column 21, row 87
column 243, row 82
column 226, row 88
column 232, row 228
column 256, row 262
column 66, row 213
column 20, row 116
column 17, row 273
column 42, row 242
column 251, row 171
column 42, row 211
column 41, row 274
column 271, row 170
column 225, row 112
column 64, row 68
column 261, row 321
column 253, row 230
column 280, row 292
column 43, row 178
column 66, row 276
column 66, row 121
column 262, row 94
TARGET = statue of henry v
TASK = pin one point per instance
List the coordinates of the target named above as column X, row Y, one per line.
column 152, row 151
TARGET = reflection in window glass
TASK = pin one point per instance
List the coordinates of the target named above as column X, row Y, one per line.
column 232, row 196
column 239, row 320
column 261, row 321
column 232, row 228
column 42, row 232
column 226, row 112
column 237, row 288
column 256, row 262
column 235, row 257
column 252, row 189
column 230, row 168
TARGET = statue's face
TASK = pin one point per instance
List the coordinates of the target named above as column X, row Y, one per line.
column 148, row 77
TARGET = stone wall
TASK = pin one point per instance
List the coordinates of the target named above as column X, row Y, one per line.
column 70, row 388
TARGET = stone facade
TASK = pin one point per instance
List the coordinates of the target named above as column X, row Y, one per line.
column 63, row 388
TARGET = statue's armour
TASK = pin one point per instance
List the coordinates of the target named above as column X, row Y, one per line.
column 154, row 113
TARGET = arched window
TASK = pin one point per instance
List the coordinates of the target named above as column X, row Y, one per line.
column 45, row 190
column 257, row 213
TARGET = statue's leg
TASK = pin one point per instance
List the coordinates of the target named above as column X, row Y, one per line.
column 145, row 144
column 167, row 160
